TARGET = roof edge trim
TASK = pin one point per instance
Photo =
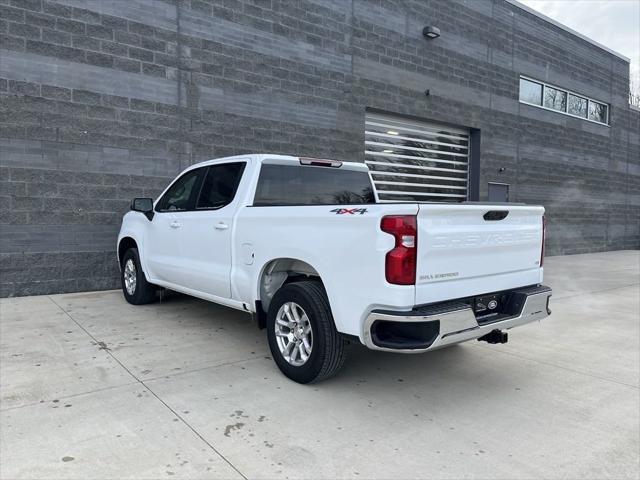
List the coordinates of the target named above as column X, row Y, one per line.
column 532, row 11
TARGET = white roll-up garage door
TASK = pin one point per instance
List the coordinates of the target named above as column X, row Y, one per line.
column 416, row 161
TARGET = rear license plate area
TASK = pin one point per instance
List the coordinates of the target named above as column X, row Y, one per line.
column 486, row 304
column 492, row 307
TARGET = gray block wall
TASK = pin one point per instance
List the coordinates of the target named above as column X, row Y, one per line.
column 104, row 100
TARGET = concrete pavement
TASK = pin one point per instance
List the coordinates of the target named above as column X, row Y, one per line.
column 92, row 387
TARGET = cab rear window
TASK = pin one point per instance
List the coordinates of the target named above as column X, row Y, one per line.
column 280, row 185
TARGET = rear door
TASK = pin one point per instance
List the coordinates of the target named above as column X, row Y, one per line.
column 470, row 249
column 206, row 232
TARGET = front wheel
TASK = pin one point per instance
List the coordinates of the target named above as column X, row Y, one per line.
column 136, row 289
column 302, row 335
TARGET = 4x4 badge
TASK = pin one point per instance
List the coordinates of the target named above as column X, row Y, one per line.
column 349, row 211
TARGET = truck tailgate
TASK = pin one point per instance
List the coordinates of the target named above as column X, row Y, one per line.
column 471, row 249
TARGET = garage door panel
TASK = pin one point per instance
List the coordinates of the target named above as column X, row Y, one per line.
column 411, row 160
column 425, row 143
column 417, row 148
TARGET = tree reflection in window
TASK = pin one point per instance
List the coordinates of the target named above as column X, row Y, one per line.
column 577, row 106
column 555, row 99
column 560, row 100
column 597, row 112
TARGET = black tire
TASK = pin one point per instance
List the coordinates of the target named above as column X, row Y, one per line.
column 144, row 292
column 328, row 353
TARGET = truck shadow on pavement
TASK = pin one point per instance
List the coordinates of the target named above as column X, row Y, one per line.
column 463, row 364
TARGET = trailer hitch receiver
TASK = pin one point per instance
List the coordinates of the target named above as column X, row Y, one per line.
column 495, row 336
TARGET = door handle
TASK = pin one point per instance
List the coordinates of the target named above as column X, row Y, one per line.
column 175, row 224
column 221, row 226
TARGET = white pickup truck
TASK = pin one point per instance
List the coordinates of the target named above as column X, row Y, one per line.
column 306, row 247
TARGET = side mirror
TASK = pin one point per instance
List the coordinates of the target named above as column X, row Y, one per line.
column 143, row 205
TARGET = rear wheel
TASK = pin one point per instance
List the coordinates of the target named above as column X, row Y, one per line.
column 302, row 335
column 135, row 287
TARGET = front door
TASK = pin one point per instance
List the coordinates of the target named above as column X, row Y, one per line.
column 162, row 245
column 206, row 232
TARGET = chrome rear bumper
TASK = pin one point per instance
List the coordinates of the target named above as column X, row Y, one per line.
column 456, row 321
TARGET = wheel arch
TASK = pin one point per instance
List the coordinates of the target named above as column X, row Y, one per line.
column 125, row 244
column 277, row 272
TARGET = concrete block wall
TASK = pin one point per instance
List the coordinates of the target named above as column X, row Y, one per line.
column 104, row 100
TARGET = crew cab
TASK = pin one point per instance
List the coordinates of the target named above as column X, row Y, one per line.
column 306, row 247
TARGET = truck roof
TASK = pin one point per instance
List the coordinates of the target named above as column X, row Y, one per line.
column 280, row 159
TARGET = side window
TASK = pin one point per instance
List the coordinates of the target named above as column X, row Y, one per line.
column 220, row 185
column 178, row 197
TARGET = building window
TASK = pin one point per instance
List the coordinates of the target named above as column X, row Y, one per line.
column 530, row 92
column 597, row 112
column 577, row 106
column 551, row 97
column 555, row 99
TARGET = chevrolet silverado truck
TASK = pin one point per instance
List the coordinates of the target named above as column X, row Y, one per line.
column 306, row 247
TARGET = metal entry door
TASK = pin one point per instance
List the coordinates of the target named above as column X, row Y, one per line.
column 498, row 192
column 412, row 160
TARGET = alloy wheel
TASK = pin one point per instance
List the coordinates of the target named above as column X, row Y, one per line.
column 130, row 276
column 294, row 334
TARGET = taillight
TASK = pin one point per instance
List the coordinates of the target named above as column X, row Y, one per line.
column 400, row 263
column 544, row 235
